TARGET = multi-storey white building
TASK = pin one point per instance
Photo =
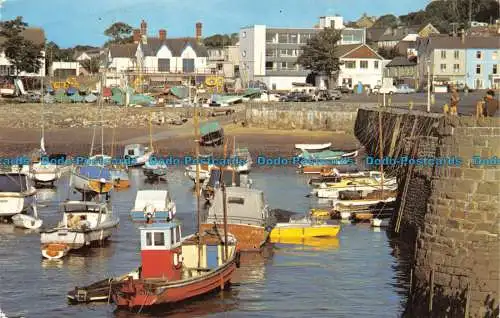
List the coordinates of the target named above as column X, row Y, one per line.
column 270, row 54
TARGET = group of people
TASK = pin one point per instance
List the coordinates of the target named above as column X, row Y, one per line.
column 486, row 107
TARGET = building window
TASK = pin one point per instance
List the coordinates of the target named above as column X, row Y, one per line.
column 478, row 69
column 269, row 65
column 495, row 68
column 293, row 38
column 164, row 65
column 219, row 66
column 363, row 64
column 350, row 64
column 304, row 37
column 188, row 65
column 282, row 38
column 456, row 68
column 375, row 64
column 159, row 239
column 479, row 54
column 494, row 55
column 443, row 54
column 456, row 54
column 283, row 65
column 443, row 67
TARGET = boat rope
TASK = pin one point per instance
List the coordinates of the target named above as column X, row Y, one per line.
column 144, row 303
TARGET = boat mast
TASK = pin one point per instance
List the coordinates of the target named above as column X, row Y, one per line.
column 381, row 153
column 235, row 165
column 42, row 139
column 102, row 119
column 197, row 179
column 224, row 209
column 151, row 132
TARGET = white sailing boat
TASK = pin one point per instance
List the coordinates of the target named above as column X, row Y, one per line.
column 154, row 169
column 44, row 172
column 82, row 224
column 17, row 193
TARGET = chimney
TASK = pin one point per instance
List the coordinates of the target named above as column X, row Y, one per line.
column 162, row 34
column 198, row 34
column 144, row 28
column 137, row 35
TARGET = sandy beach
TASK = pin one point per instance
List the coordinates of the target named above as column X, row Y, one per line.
column 172, row 140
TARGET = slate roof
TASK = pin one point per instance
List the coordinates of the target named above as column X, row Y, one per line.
column 35, row 35
column 123, row 50
column 175, row 45
column 374, row 34
column 449, row 42
column 401, row 61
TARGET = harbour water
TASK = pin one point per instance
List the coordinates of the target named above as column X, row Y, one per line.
column 360, row 274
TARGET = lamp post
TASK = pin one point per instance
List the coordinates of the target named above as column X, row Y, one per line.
column 428, row 85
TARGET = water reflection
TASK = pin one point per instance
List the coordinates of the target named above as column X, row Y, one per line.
column 45, row 195
column 311, row 243
column 285, row 281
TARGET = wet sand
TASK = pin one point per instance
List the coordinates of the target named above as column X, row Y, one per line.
column 171, row 140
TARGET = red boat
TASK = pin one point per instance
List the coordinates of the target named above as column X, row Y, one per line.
column 175, row 269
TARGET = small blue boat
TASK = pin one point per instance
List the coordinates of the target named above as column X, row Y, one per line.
column 152, row 206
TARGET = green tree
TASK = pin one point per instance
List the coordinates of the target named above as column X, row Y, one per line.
column 92, row 66
column 220, row 40
column 119, row 33
column 319, row 54
column 23, row 54
column 386, row 21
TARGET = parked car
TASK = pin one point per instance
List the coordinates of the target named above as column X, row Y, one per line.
column 384, row 90
column 335, row 94
column 404, row 89
column 322, row 95
column 345, row 89
column 296, row 97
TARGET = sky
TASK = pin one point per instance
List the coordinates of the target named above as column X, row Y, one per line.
column 71, row 22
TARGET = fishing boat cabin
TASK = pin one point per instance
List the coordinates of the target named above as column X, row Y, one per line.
column 166, row 255
column 248, row 217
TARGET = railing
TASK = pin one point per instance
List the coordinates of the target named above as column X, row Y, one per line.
column 152, row 70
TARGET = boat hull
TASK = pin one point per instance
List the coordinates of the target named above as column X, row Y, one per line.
column 12, row 203
column 84, row 184
column 158, row 216
column 191, row 173
column 55, row 251
column 291, row 231
column 249, row 237
column 26, row 221
column 154, row 173
column 133, row 293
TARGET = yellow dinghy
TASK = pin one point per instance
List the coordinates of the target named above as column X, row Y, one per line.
column 320, row 214
column 303, row 229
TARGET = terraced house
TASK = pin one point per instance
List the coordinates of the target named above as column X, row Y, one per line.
column 158, row 55
column 467, row 60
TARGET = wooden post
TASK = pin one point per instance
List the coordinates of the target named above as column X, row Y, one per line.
column 431, row 291
column 467, row 303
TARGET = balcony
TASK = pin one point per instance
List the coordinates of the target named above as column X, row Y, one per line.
column 286, row 72
column 156, row 71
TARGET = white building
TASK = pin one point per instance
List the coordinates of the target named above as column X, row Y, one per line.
column 35, row 35
column 225, row 61
column 159, row 54
column 361, row 64
column 270, row 54
column 64, row 69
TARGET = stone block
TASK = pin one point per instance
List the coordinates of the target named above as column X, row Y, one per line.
column 491, row 175
column 454, row 224
column 466, row 152
column 466, row 186
column 468, row 226
column 474, row 215
column 479, row 236
column 457, row 214
column 486, row 153
column 455, row 172
column 453, row 234
column 480, row 141
column 489, row 188
column 486, row 227
column 481, row 197
column 455, row 195
column 488, row 207
column 473, row 174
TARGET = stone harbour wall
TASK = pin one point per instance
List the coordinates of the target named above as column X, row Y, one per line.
column 87, row 115
column 331, row 116
column 449, row 213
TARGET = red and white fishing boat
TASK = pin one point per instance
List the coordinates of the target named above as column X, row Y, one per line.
column 175, row 269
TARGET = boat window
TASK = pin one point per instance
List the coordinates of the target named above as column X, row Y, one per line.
column 172, row 236
column 13, row 182
column 131, row 152
column 178, row 234
column 159, row 238
column 235, row 200
column 149, row 241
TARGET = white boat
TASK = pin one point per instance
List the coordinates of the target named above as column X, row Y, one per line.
column 376, row 222
column 205, row 167
column 345, row 215
column 16, row 193
column 46, row 173
column 155, row 170
column 83, row 223
column 332, row 192
column 360, row 203
column 153, row 205
column 244, row 156
column 26, row 221
column 137, row 153
column 313, row 146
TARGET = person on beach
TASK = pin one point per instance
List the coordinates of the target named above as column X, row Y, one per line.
column 489, row 106
column 455, row 98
